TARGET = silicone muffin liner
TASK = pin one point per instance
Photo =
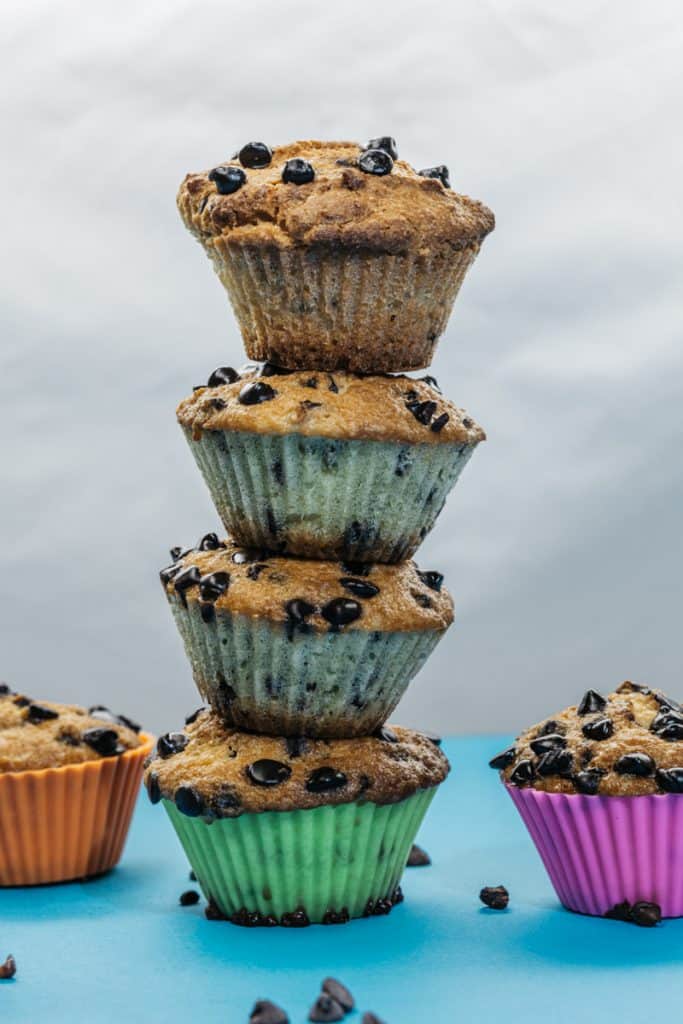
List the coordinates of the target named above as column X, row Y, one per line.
column 320, row 497
column 312, row 684
column 334, row 309
column 602, row 850
column 332, row 862
column 58, row 824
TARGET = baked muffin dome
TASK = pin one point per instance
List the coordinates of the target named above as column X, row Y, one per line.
column 629, row 743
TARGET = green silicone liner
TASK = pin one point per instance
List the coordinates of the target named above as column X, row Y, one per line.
column 328, row 858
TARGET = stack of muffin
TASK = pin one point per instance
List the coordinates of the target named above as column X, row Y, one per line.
column 294, row 801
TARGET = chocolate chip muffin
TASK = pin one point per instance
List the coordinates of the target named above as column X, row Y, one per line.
column 335, row 818
column 327, row 465
column 335, row 255
column 69, row 779
column 600, row 789
column 286, row 645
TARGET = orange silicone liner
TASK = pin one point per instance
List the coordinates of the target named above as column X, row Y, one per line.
column 71, row 822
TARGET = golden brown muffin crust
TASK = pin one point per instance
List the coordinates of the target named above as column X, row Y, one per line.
column 261, row 586
column 215, row 765
column 335, row 405
column 36, row 734
column 634, row 720
column 341, row 207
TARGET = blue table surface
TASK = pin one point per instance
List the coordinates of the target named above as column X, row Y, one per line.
column 119, row 948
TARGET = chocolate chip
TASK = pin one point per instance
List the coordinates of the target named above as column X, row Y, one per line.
column 495, row 896
column 424, row 600
column 620, row 912
column 378, row 908
column 38, row 713
column 326, row 1008
column 359, row 588
column 243, row 557
column 324, row 780
column 188, row 898
column 102, row 741
column 590, row 703
column 422, row 411
column 69, row 739
column 255, row 155
column 502, row 760
column 209, row 542
column 555, row 762
column 383, row 732
column 298, row 610
column 332, row 386
column 212, row 912
column 336, row 916
column 598, row 729
column 439, row 423
column 440, row 172
column 168, row 573
column 295, row 745
column 171, row 743
column 646, row 915
column 341, row 611
column 226, row 803
column 185, row 580
column 356, row 568
column 551, row 741
column 667, row 703
column 551, row 726
column 189, row 801
column 386, row 144
column 194, row 715
column 153, row 788
column 371, row 1018
column 192, row 876
column 375, row 161
column 254, row 571
column 255, row 392
column 339, row 993
column 297, row 172
column 670, row 779
column 432, row 579
column 523, row 773
column 418, row 858
column 9, row 968
column 668, row 725
column 588, row 782
column 212, row 586
column 223, row 375
column 266, row 772
column 5, row 690
column 21, row 701
column 265, row 1012
column 227, row 179
column 295, row 919
column 635, row 764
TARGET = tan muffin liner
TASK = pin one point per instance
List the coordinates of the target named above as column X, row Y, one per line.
column 71, row 822
column 332, row 309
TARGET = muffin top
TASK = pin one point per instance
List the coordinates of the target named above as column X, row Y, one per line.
column 629, row 743
column 41, row 734
column 352, row 200
column 306, row 595
column 337, row 405
column 214, row 770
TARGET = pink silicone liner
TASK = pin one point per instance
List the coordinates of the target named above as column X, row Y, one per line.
column 600, row 851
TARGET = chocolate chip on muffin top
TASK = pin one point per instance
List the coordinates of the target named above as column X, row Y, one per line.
column 222, row 772
column 307, row 595
column 335, row 194
column 358, row 408
column 44, row 734
column 629, row 743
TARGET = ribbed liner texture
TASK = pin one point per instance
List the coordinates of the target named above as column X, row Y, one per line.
column 314, row 684
column 602, row 850
column 324, row 498
column 338, row 309
column 329, row 858
column 70, row 822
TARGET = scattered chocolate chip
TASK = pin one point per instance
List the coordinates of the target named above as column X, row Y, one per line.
column 375, row 161
column 550, row 727
column 212, row 912
column 265, row 1012
column 226, row 803
column 336, row 916
column 555, row 762
column 185, row 580
column 359, row 588
column 69, row 739
column 385, row 143
column 38, row 713
column 431, row 579
column 212, row 586
column 424, row 600
column 326, row 1008
column 295, row 745
column 295, row 919
column 255, row 155
column 254, row 571
column 371, row 1018
column 194, row 715
column 418, row 858
column 189, row 801
column 266, row 772
column 503, row 760
column 431, row 381
column 192, row 876
column 619, row 912
column 523, row 773
column 356, row 568
column 243, row 557
column 169, row 572
column 588, row 782
column 646, row 915
column 341, row 611
column 397, row 896
column 209, row 542
column 298, row 610
column 598, row 729
column 668, row 725
column 422, row 411
column 188, row 898
column 383, row 732
column 378, row 908
column 332, row 386
column 440, row 172
column 9, row 968
column 102, row 741
column 667, row 703
column 255, row 392
column 439, row 423
column 635, row 764
column 153, row 788
column 590, row 703
column 325, row 779
column 5, row 690
column 297, row 172
column 495, row 896
column 223, row 375
column 670, row 779
column 227, row 179
column 551, row 741
column 172, row 743
column 339, row 993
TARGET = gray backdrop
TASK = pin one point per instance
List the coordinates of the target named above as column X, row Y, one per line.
column 562, row 541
